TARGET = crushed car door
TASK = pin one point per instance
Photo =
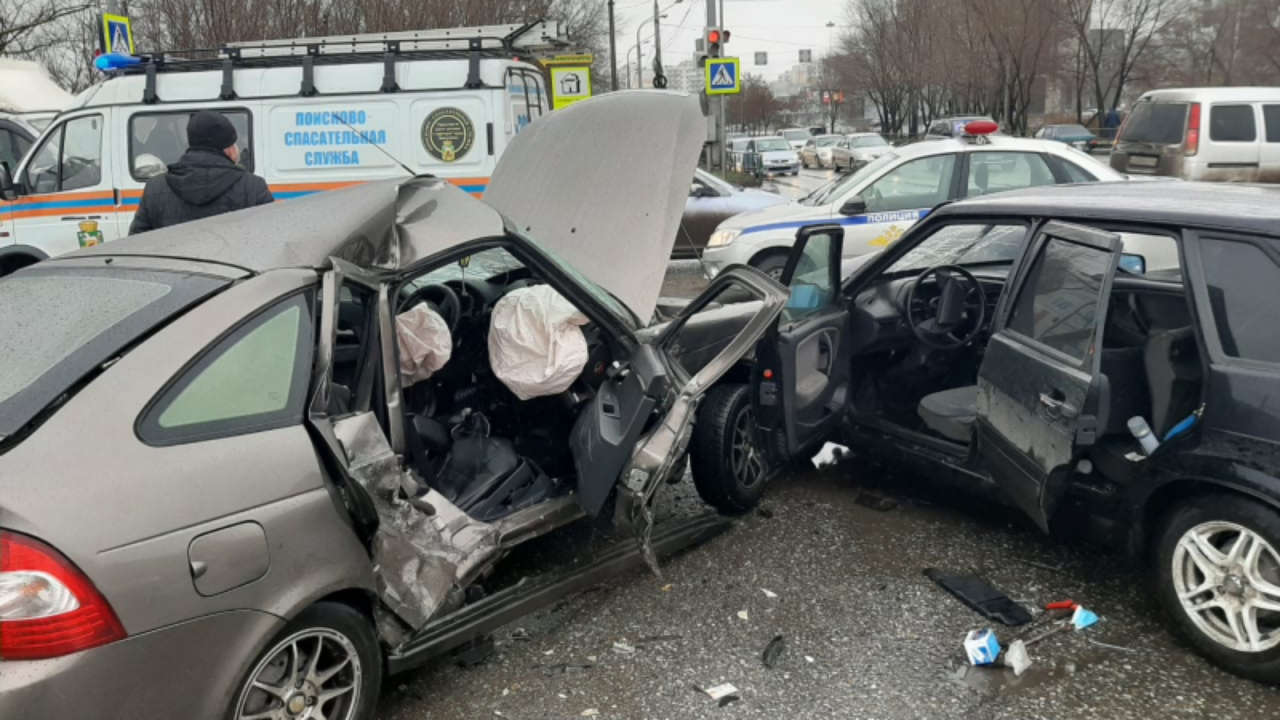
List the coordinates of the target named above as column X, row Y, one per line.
column 802, row 372
column 708, row 338
column 1040, row 394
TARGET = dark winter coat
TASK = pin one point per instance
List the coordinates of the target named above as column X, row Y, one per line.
column 201, row 184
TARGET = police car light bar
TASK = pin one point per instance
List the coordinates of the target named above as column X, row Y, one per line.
column 116, row 61
column 978, row 130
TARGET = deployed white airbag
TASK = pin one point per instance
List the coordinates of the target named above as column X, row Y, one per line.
column 425, row 343
column 536, row 345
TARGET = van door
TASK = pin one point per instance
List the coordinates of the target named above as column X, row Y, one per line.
column 68, row 201
column 1269, row 148
column 1040, row 391
column 1232, row 152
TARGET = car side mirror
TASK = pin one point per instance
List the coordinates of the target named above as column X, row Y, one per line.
column 1133, row 263
column 854, row 206
column 7, row 189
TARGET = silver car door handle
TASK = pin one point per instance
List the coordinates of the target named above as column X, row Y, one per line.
column 1056, row 407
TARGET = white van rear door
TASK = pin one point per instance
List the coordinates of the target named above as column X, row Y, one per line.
column 1232, row 152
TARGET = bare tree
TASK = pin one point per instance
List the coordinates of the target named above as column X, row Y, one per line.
column 1018, row 35
column 1113, row 36
column 755, row 108
column 25, row 25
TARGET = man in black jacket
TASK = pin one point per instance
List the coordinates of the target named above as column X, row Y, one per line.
column 205, row 181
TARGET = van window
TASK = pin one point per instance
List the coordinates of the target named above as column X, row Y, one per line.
column 1160, row 123
column 159, row 139
column 1232, row 123
column 12, row 147
column 1271, row 118
column 70, row 157
column 1241, row 278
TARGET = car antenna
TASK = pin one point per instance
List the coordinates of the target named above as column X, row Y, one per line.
column 365, row 137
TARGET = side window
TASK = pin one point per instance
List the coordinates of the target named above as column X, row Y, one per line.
column 21, row 145
column 69, row 159
column 1232, row 123
column 9, row 148
column 1058, row 304
column 811, row 285
column 1241, row 278
column 1071, row 171
column 252, row 380
column 991, row 172
column 1271, row 117
column 537, row 96
column 157, row 140
column 920, row 183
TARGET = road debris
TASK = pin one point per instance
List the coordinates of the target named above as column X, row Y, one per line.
column 742, row 615
column 658, row 639
column 773, row 651
column 520, row 635
column 565, row 668
column 622, row 648
column 982, row 647
column 981, row 596
column 829, row 454
column 769, row 593
column 765, row 512
column 1016, row 658
column 589, row 712
column 808, row 658
column 1043, row 566
column 724, row 693
column 875, row 501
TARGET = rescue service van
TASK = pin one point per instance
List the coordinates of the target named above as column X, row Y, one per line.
column 312, row 114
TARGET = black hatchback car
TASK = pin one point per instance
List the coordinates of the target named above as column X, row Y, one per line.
column 1108, row 355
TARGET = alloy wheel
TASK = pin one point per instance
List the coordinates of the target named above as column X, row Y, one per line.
column 311, row 675
column 1227, row 578
column 744, row 457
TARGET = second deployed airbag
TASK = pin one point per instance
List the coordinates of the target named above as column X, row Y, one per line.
column 536, row 345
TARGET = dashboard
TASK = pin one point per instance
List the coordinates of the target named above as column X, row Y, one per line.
column 880, row 311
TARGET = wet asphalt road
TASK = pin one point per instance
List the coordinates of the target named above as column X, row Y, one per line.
column 865, row 634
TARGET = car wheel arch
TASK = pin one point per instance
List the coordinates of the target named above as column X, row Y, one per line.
column 1151, row 513
column 16, row 257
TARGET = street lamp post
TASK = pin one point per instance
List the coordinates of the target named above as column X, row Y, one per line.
column 613, row 51
column 657, row 14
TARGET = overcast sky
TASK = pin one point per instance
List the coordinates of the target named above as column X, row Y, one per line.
column 780, row 27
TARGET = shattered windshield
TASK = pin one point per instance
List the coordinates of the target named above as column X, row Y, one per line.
column 964, row 244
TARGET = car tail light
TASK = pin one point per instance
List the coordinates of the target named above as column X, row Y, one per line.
column 1193, row 129
column 47, row 606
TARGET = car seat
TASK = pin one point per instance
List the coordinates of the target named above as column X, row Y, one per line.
column 951, row 413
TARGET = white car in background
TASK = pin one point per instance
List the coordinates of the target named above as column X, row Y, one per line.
column 797, row 137
column 857, row 150
column 773, row 155
column 816, row 152
column 877, row 203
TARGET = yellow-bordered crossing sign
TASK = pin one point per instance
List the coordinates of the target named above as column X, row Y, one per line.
column 117, row 34
column 722, row 76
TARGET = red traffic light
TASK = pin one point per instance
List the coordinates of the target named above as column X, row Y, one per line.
column 713, row 36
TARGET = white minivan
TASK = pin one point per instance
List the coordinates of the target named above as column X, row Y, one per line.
column 312, row 114
column 1229, row 134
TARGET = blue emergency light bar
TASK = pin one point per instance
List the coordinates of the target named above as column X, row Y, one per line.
column 116, row 61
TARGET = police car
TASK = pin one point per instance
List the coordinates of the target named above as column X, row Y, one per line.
column 312, row 114
column 877, row 203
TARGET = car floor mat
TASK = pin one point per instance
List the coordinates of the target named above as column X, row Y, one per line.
column 980, row 595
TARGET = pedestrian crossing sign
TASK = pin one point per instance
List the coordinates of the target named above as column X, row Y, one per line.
column 117, row 34
column 723, row 77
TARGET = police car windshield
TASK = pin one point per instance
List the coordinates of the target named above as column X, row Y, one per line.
column 772, row 145
column 837, row 188
column 868, row 141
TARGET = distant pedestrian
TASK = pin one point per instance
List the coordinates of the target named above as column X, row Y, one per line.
column 1112, row 120
column 207, row 180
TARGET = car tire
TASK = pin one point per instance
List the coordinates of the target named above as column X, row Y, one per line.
column 349, row 650
column 1221, row 520
column 729, row 471
column 771, row 263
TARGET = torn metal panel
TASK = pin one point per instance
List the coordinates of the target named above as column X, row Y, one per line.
column 425, row 551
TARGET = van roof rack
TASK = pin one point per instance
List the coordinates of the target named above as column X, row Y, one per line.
column 471, row 43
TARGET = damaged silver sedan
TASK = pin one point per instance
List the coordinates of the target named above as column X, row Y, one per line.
column 263, row 459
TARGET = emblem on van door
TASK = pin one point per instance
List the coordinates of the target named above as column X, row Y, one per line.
column 447, row 134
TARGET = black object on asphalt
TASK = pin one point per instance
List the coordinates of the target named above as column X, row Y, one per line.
column 980, row 595
column 773, row 651
column 879, row 503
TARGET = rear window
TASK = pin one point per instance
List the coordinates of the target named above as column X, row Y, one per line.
column 1160, row 123
column 61, row 324
column 1271, row 116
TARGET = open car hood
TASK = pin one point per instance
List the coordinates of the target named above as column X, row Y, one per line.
column 603, row 183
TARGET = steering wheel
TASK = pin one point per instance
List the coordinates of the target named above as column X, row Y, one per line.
column 440, row 298
column 960, row 300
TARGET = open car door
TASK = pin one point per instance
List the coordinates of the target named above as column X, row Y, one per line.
column 1041, row 396
column 802, row 373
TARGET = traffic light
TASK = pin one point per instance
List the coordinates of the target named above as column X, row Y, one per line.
column 716, row 39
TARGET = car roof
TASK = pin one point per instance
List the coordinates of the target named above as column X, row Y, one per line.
column 306, row 232
column 1174, row 202
column 995, row 141
column 1212, row 93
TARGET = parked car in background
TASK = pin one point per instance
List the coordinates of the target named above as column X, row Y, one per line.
column 738, row 153
column 1223, row 134
column 858, row 149
column 772, row 155
column 796, row 137
column 879, row 202
column 953, row 127
column 1075, row 135
column 1104, row 356
column 297, row 491
column 816, row 152
column 712, row 201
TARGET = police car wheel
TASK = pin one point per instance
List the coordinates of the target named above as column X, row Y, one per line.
column 771, row 263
